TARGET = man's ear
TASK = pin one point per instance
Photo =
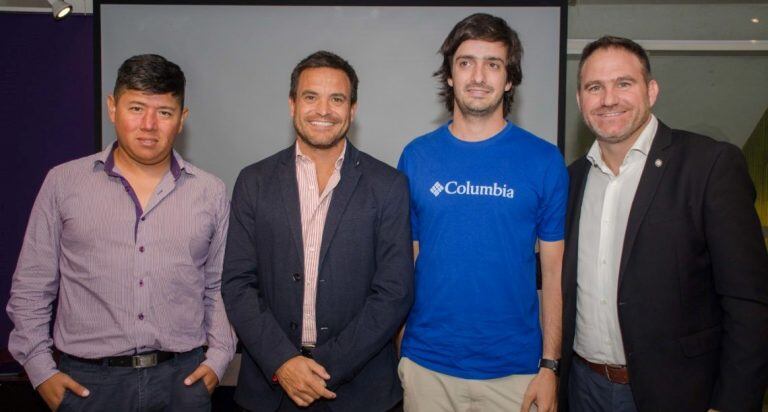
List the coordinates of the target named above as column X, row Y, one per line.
column 184, row 115
column 111, row 107
column 653, row 91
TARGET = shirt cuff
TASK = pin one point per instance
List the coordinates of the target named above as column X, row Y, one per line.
column 217, row 360
column 40, row 368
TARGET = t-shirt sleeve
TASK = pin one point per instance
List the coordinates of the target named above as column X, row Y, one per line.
column 403, row 165
column 550, row 224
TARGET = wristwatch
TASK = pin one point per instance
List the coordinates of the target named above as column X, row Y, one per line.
column 550, row 364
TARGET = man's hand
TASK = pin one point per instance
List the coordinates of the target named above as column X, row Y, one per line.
column 542, row 391
column 304, row 380
column 207, row 374
column 52, row 390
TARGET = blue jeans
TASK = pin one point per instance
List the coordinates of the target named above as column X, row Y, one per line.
column 591, row 392
column 123, row 389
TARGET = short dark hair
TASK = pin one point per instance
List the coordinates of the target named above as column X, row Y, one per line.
column 481, row 26
column 321, row 59
column 615, row 42
column 150, row 73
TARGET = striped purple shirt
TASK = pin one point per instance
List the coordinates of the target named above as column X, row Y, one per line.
column 128, row 280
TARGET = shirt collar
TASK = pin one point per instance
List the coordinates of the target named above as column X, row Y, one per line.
column 304, row 158
column 106, row 158
column 642, row 146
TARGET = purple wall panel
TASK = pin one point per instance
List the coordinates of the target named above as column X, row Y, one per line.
column 46, row 113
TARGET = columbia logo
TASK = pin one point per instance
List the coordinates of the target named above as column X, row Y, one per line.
column 436, row 189
column 468, row 189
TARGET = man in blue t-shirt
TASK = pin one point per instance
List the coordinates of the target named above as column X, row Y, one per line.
column 483, row 192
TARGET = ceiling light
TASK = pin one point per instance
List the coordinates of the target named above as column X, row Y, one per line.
column 60, row 8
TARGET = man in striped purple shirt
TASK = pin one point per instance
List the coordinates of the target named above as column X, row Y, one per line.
column 131, row 240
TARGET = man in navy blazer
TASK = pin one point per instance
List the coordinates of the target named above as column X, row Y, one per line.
column 665, row 279
column 318, row 270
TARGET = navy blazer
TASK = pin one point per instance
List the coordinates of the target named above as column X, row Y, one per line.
column 693, row 279
column 364, row 289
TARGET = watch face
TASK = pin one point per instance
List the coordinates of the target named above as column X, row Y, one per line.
column 550, row 364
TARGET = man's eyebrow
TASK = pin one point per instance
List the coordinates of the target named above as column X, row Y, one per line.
column 591, row 83
column 473, row 57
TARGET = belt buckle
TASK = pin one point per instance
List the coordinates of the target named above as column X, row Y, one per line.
column 144, row 361
column 609, row 375
column 306, row 351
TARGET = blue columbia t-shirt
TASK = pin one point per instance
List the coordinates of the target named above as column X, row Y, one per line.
column 476, row 211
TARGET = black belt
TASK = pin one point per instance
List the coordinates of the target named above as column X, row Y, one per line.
column 143, row 360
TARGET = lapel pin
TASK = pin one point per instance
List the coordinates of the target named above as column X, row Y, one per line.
column 658, row 163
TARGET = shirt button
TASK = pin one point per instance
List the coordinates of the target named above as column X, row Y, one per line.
column 141, row 316
column 141, row 283
column 296, row 277
column 141, row 249
column 143, row 218
column 603, row 301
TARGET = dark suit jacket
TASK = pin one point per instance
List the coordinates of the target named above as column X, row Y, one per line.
column 693, row 279
column 365, row 280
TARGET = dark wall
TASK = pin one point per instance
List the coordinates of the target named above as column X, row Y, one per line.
column 46, row 118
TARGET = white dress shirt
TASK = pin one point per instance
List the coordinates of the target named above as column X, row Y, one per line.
column 602, row 225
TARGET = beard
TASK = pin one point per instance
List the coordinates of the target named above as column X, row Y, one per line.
column 470, row 108
column 317, row 143
column 631, row 129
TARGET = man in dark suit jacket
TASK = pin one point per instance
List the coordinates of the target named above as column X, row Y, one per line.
column 318, row 268
column 665, row 280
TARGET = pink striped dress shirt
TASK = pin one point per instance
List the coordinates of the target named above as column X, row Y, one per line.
column 314, row 209
column 128, row 280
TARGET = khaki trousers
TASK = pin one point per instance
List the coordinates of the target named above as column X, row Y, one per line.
column 429, row 391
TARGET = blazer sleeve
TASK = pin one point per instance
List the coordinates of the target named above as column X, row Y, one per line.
column 254, row 322
column 390, row 298
column 740, row 270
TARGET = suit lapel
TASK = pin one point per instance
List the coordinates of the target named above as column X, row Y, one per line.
column 290, row 195
column 578, row 183
column 655, row 165
column 350, row 174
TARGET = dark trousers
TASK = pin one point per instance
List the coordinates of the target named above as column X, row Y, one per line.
column 118, row 389
column 320, row 407
column 591, row 392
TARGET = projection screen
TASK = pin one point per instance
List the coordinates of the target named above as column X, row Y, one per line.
column 238, row 59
